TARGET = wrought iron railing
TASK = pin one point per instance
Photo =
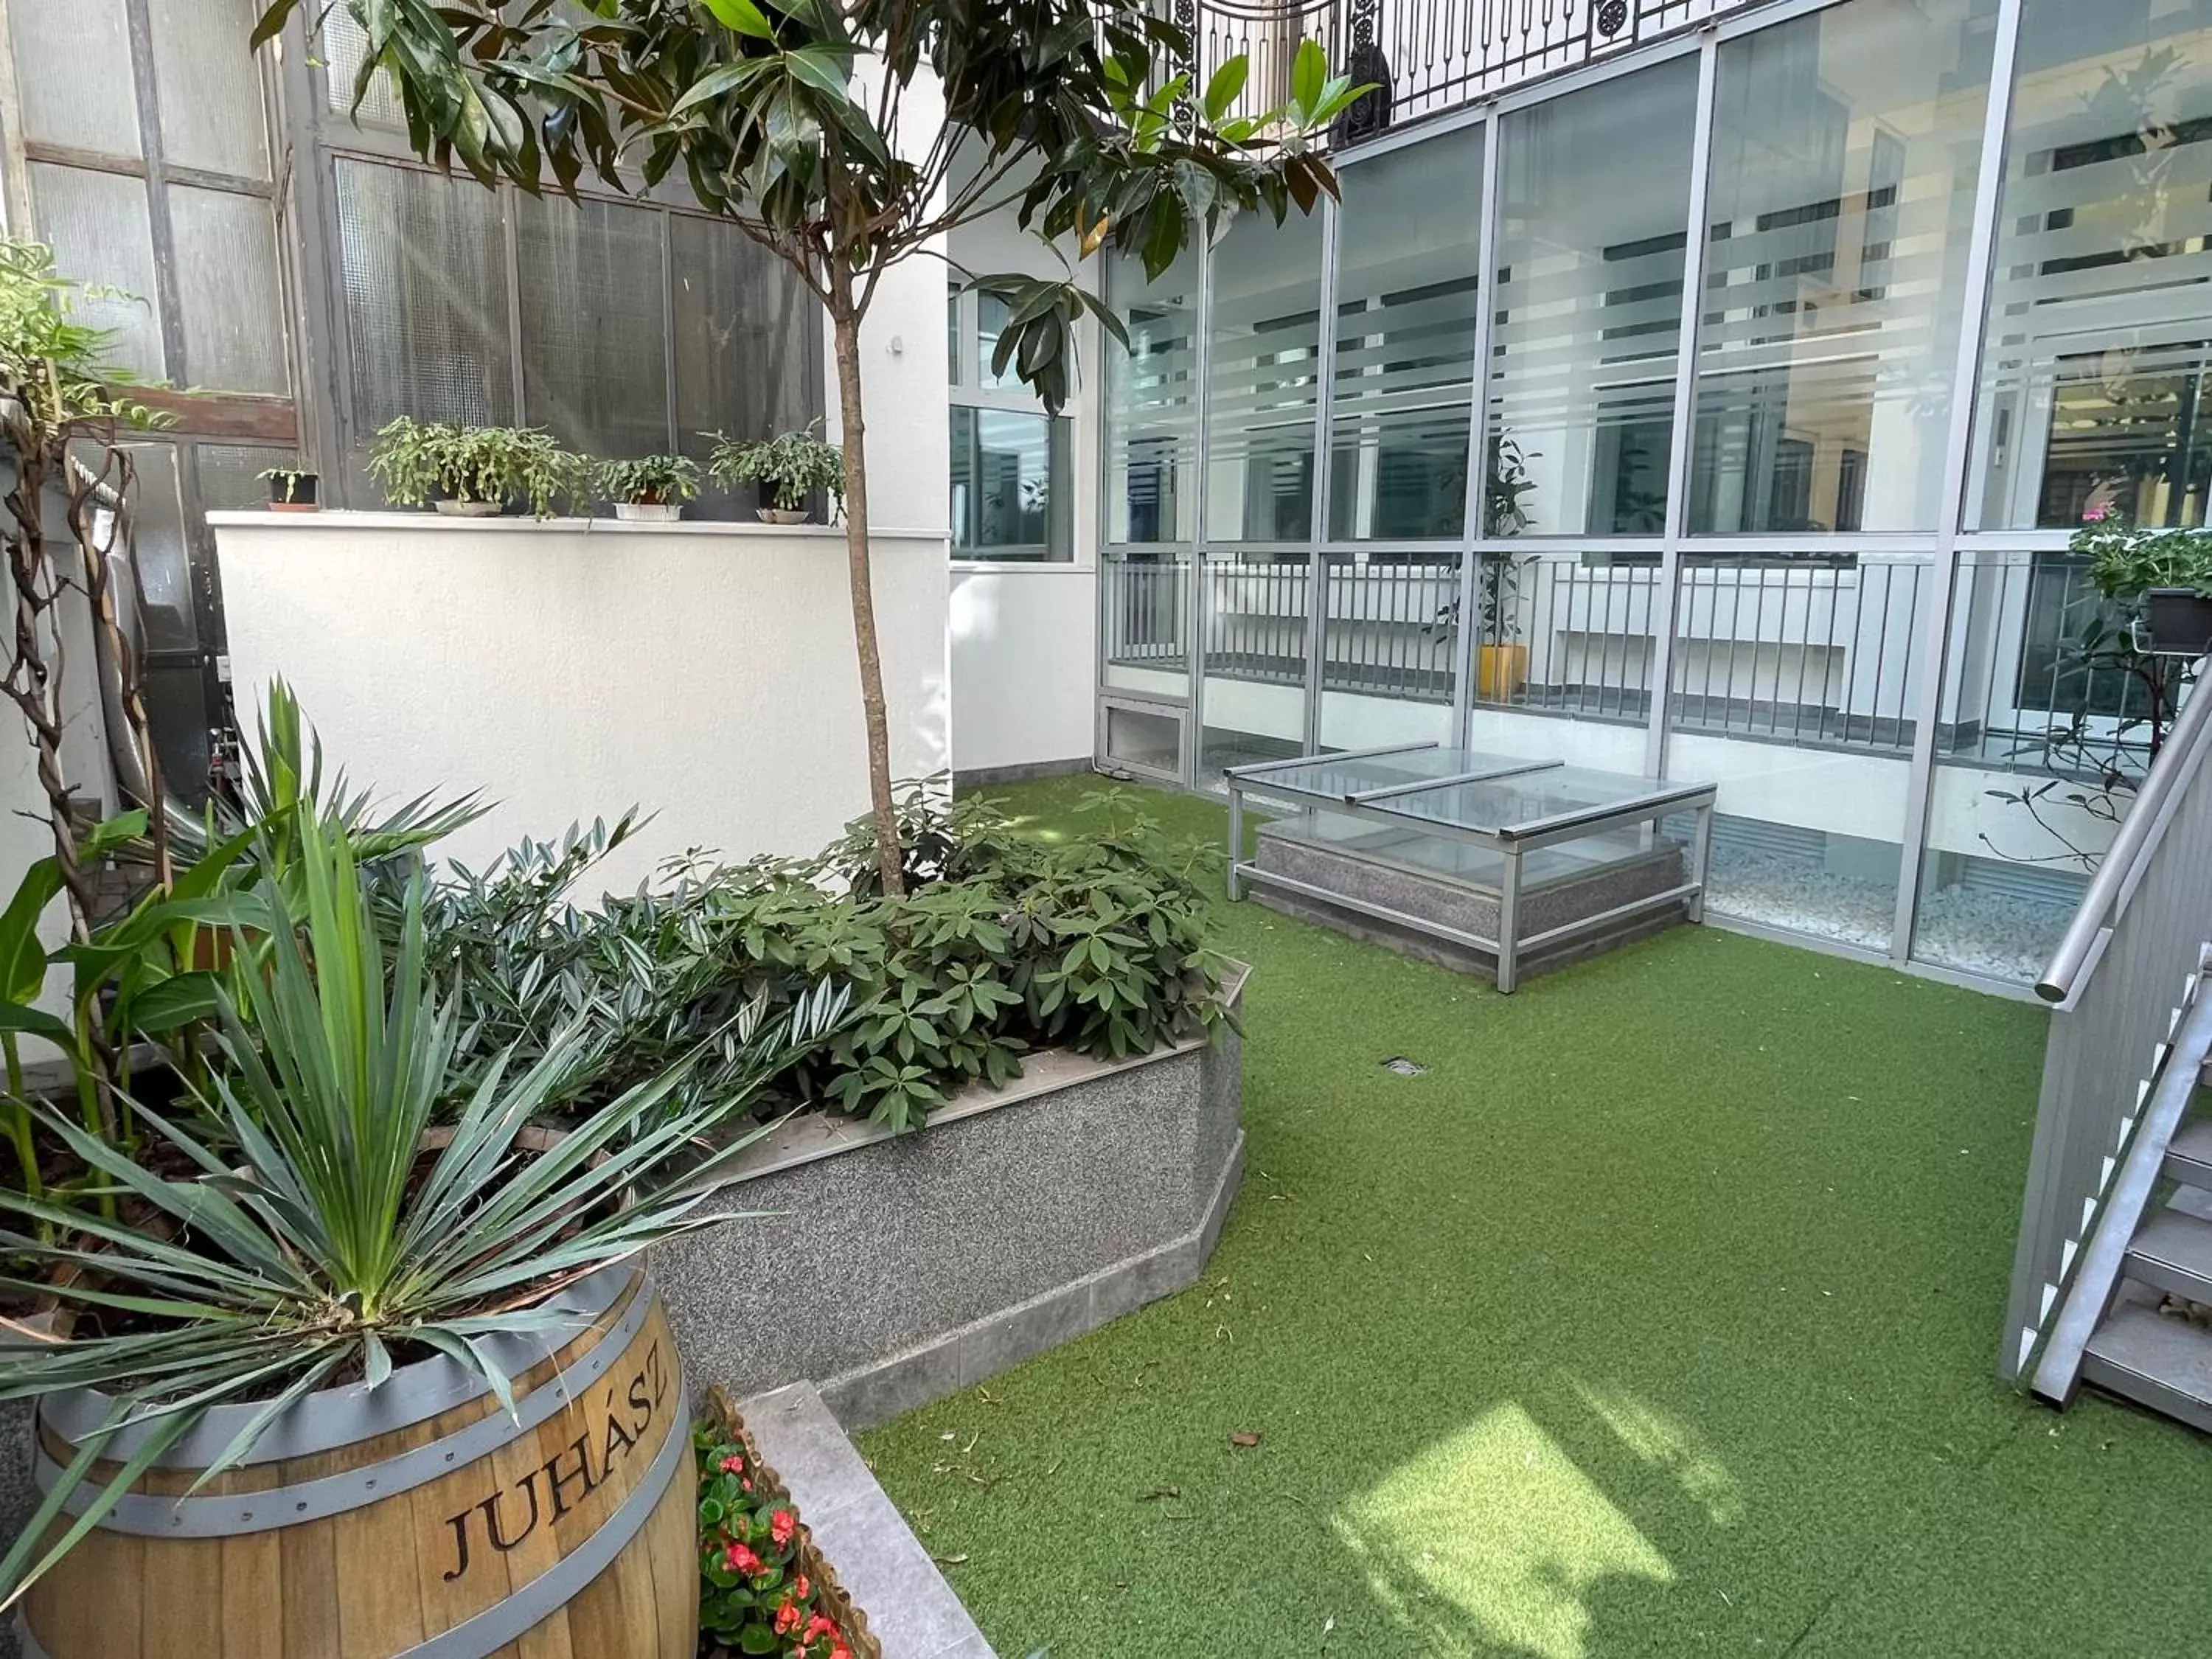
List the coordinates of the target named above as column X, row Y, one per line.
column 1425, row 56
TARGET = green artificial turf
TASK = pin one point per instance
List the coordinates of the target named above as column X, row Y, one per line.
column 1659, row 1317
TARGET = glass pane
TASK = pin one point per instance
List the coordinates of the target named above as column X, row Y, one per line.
column 1142, row 739
column 1261, row 379
column 1798, row 684
column 228, row 288
column 210, row 86
column 1593, row 198
column 1151, row 404
column 1844, row 146
column 2100, row 311
column 425, row 269
column 97, row 224
column 163, row 561
column 594, row 346
column 1011, row 494
column 1391, row 644
column 952, row 334
column 1409, row 243
column 73, row 73
column 748, row 345
column 991, row 315
column 177, row 709
column 345, row 48
column 230, row 475
column 1254, row 619
column 1143, row 622
column 2044, row 735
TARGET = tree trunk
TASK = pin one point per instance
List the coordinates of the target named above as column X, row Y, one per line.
column 846, row 329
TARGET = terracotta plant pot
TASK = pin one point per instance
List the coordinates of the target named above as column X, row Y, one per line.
column 302, row 493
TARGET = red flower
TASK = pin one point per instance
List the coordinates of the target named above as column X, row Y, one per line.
column 799, row 1587
column 742, row 1560
column 748, row 1486
column 787, row 1618
column 782, row 1523
column 733, row 1464
column 817, row 1627
column 841, row 1651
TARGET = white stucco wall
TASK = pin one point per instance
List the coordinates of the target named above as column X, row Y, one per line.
column 1023, row 644
column 571, row 669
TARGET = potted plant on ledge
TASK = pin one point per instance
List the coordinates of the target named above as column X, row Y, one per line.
column 2165, row 575
column 474, row 471
column 788, row 468
column 652, row 489
column 293, row 489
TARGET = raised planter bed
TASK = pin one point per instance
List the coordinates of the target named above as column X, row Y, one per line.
column 899, row 1269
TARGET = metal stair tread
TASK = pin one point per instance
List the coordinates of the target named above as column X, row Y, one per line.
column 2189, row 1154
column 2173, row 1250
column 2161, row 1362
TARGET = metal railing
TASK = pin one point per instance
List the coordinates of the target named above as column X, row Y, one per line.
column 2128, row 968
column 1427, row 56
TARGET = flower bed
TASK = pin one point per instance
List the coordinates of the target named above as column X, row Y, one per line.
column 763, row 1585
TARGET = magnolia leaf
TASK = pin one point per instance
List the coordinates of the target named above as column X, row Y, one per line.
column 741, row 17
column 1221, row 91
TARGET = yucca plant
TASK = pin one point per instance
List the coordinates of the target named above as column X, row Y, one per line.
column 316, row 1238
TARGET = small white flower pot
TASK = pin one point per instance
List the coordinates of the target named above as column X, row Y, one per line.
column 649, row 511
column 783, row 516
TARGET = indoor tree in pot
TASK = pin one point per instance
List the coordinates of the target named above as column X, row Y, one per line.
column 338, row 1272
column 787, row 468
column 474, row 471
column 654, row 488
column 790, row 118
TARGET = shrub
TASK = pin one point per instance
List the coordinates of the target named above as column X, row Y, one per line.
column 1003, row 943
column 789, row 467
column 668, row 480
column 418, row 462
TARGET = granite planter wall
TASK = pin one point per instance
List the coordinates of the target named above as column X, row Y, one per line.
column 899, row 1269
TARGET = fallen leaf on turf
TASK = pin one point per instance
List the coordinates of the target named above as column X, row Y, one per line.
column 1159, row 1491
column 948, row 1560
column 1245, row 1437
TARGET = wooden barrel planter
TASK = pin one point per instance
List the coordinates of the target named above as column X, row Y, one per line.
column 421, row 1519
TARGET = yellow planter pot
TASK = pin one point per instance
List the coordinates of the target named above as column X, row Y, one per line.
column 1500, row 671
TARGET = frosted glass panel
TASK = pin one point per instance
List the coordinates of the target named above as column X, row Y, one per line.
column 748, row 345
column 593, row 358
column 1844, row 150
column 2100, row 308
column 1409, row 240
column 73, row 73
column 426, row 298
column 1594, row 192
column 228, row 287
column 97, row 224
column 211, row 109
column 1151, row 404
column 1262, row 375
column 345, row 49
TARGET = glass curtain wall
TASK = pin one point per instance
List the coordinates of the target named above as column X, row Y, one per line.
column 1840, row 210
column 1409, row 231
column 2099, row 334
column 1262, row 386
column 1871, row 629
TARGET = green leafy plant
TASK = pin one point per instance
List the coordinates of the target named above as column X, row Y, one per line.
column 418, row 462
column 789, row 467
column 290, row 476
column 656, row 480
column 2127, row 563
column 754, row 1593
column 298, row 1230
column 1080, row 118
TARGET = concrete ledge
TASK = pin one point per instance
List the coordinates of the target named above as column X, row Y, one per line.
column 883, row 1567
column 980, row 776
column 895, row 1270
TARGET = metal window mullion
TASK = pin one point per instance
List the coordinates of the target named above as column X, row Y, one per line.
column 511, row 237
column 1320, row 504
column 668, row 323
column 1668, row 598
column 1478, row 433
column 1966, row 380
column 168, row 303
column 1201, row 358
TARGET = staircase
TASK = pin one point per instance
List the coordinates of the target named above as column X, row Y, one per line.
column 2113, row 1280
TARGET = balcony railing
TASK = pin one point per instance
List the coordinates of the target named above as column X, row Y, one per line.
column 1427, row 55
column 1822, row 652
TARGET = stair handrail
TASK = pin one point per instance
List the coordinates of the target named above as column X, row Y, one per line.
column 2071, row 965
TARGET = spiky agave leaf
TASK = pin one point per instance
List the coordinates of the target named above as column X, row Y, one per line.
column 313, row 1248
